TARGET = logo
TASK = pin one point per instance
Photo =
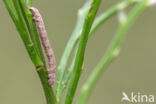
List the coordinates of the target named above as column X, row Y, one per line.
column 137, row 98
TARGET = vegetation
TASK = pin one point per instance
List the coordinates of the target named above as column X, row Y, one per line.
column 87, row 24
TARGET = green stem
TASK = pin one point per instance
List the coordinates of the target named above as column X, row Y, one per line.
column 27, row 30
column 21, row 22
column 81, row 50
column 70, row 46
column 32, row 28
column 12, row 11
column 24, row 33
column 98, row 21
column 111, row 53
column 50, row 97
column 72, row 40
column 34, row 36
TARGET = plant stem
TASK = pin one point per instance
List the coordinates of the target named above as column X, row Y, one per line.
column 50, row 97
column 12, row 11
column 81, row 50
column 111, row 53
column 73, row 39
column 25, row 35
column 27, row 30
column 98, row 21
column 34, row 36
column 32, row 29
column 70, row 46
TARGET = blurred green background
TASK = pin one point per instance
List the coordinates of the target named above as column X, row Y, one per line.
column 134, row 69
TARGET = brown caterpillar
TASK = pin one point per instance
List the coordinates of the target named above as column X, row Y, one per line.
column 46, row 44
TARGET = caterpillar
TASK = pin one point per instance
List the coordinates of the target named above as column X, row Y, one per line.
column 45, row 43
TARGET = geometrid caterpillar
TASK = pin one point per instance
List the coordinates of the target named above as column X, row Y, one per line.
column 46, row 44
